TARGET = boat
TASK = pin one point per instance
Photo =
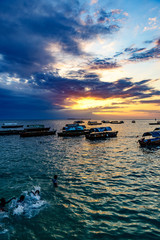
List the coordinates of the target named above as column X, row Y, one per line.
column 94, row 123
column 37, row 133
column 11, row 125
column 117, row 122
column 74, row 125
column 155, row 123
column 78, row 121
column 133, row 121
column 36, row 127
column 156, row 129
column 10, row 132
column 150, row 139
column 100, row 133
column 105, row 121
column 72, row 130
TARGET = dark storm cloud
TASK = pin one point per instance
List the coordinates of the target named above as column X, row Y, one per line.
column 151, row 101
column 83, row 75
column 146, row 55
column 147, row 111
column 15, row 104
column 27, row 27
column 105, row 63
column 104, row 16
column 134, row 50
column 59, row 89
column 152, row 53
column 112, row 16
column 158, row 42
column 135, row 54
column 148, row 41
column 118, row 54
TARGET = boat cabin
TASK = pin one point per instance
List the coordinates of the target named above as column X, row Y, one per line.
column 100, row 129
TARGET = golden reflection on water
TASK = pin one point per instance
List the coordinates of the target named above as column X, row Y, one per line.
column 103, row 186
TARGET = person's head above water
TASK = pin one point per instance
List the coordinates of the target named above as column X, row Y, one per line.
column 55, row 176
column 21, row 199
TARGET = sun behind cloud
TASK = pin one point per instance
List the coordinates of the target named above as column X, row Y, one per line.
column 90, row 103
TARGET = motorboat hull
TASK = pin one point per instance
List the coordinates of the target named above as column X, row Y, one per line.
column 101, row 135
column 70, row 133
column 149, row 142
column 37, row 134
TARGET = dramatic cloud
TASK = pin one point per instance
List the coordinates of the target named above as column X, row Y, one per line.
column 103, row 64
column 134, row 50
column 59, row 89
column 27, row 28
column 55, row 52
column 147, row 54
column 13, row 103
column 151, row 101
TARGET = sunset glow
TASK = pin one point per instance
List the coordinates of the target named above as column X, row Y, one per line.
column 88, row 103
column 101, row 57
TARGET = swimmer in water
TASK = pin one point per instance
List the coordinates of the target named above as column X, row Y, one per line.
column 3, row 202
column 54, row 180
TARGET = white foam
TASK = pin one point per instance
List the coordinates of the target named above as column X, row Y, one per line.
column 18, row 210
column 31, row 206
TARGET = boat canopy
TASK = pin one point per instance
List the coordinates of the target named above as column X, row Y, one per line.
column 157, row 129
column 74, row 128
column 9, row 124
column 36, row 126
column 101, row 129
column 74, row 125
column 153, row 134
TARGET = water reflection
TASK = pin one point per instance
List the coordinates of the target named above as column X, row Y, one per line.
column 107, row 189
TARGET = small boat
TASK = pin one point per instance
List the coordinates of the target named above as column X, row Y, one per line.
column 10, row 132
column 35, row 128
column 94, row 123
column 133, row 121
column 150, row 139
column 105, row 121
column 117, row 122
column 37, row 133
column 72, row 130
column 155, row 123
column 74, row 125
column 156, row 129
column 100, row 133
column 11, row 125
column 78, row 121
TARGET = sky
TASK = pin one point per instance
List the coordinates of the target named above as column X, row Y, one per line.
column 97, row 59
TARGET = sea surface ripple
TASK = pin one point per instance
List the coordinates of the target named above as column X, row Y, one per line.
column 107, row 189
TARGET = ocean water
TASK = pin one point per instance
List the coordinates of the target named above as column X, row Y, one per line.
column 107, row 189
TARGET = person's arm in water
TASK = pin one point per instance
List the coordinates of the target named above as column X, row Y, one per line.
column 33, row 193
column 10, row 200
column 36, row 193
